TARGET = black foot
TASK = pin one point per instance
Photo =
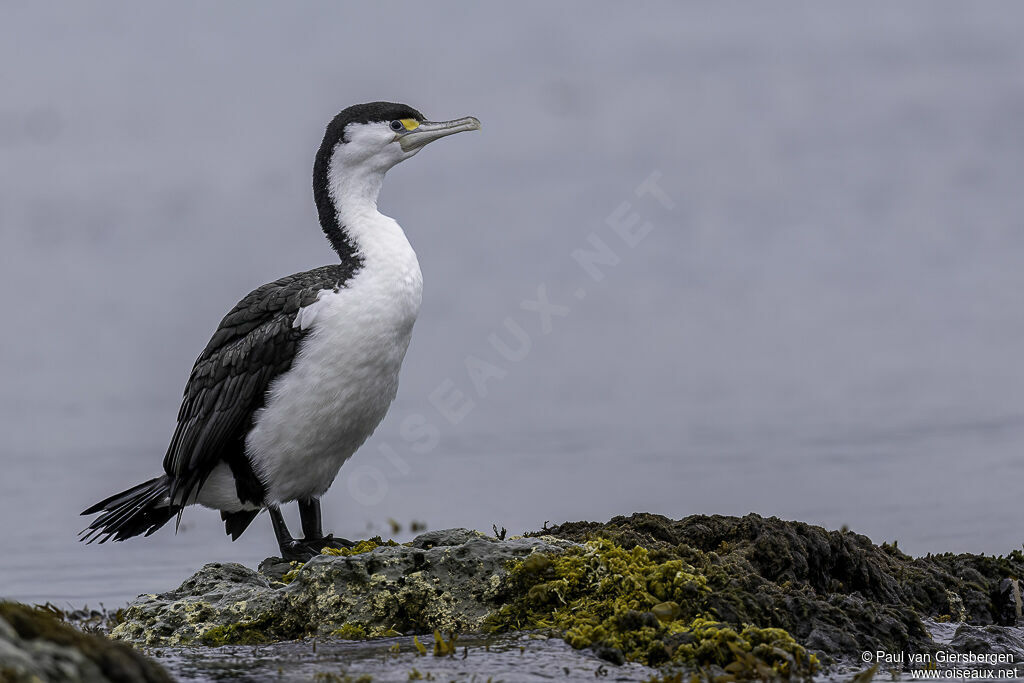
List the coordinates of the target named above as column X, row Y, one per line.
column 302, row 550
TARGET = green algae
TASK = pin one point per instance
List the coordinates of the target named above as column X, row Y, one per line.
column 266, row 628
column 290, row 575
column 351, row 631
column 358, row 549
column 639, row 606
column 751, row 653
column 242, row 633
column 270, row 628
column 442, row 647
column 835, row 591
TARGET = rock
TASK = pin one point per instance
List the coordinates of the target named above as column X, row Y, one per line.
column 274, row 568
column 997, row 640
column 35, row 647
column 432, row 539
column 835, row 591
column 780, row 586
column 1007, row 602
column 446, row 580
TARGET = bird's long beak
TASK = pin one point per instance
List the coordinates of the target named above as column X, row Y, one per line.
column 428, row 131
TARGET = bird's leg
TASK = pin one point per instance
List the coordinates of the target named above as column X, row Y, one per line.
column 312, row 521
column 291, row 549
column 303, row 549
column 312, row 527
column 294, row 549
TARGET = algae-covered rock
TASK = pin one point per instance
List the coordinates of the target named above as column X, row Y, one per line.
column 834, row 591
column 35, row 647
column 746, row 598
column 443, row 580
column 639, row 606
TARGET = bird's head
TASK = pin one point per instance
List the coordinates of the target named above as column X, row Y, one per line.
column 365, row 140
column 378, row 135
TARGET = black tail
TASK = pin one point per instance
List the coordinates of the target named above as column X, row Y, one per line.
column 237, row 522
column 141, row 509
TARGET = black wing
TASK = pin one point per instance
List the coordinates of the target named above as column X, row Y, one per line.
column 255, row 343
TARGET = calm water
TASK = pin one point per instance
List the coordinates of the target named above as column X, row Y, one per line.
column 519, row 658
column 825, row 325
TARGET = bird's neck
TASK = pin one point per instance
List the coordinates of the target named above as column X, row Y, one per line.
column 347, row 204
column 361, row 234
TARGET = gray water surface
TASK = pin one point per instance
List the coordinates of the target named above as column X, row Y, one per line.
column 523, row 658
column 823, row 322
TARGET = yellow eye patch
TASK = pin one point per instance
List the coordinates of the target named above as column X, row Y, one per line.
column 410, row 124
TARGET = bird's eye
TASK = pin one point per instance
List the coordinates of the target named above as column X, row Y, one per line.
column 397, row 126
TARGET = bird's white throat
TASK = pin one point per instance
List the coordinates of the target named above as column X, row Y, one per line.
column 389, row 265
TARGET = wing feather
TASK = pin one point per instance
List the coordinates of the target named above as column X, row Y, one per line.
column 255, row 343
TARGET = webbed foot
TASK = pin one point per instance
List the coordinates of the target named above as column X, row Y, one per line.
column 303, row 550
column 329, row 541
column 314, row 540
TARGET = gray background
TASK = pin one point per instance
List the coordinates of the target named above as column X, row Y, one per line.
column 826, row 326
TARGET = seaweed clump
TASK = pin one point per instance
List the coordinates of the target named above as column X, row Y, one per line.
column 251, row 632
column 640, row 606
column 351, row 632
column 836, row 592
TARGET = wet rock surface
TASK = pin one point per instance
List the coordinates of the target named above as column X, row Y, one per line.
column 36, row 646
column 442, row 580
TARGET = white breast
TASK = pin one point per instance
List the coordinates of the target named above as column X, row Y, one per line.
column 345, row 374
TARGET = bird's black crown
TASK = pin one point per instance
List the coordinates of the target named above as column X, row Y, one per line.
column 366, row 113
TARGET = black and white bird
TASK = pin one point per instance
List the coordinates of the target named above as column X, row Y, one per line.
column 302, row 370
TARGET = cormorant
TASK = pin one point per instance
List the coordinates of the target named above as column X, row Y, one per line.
column 302, row 370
